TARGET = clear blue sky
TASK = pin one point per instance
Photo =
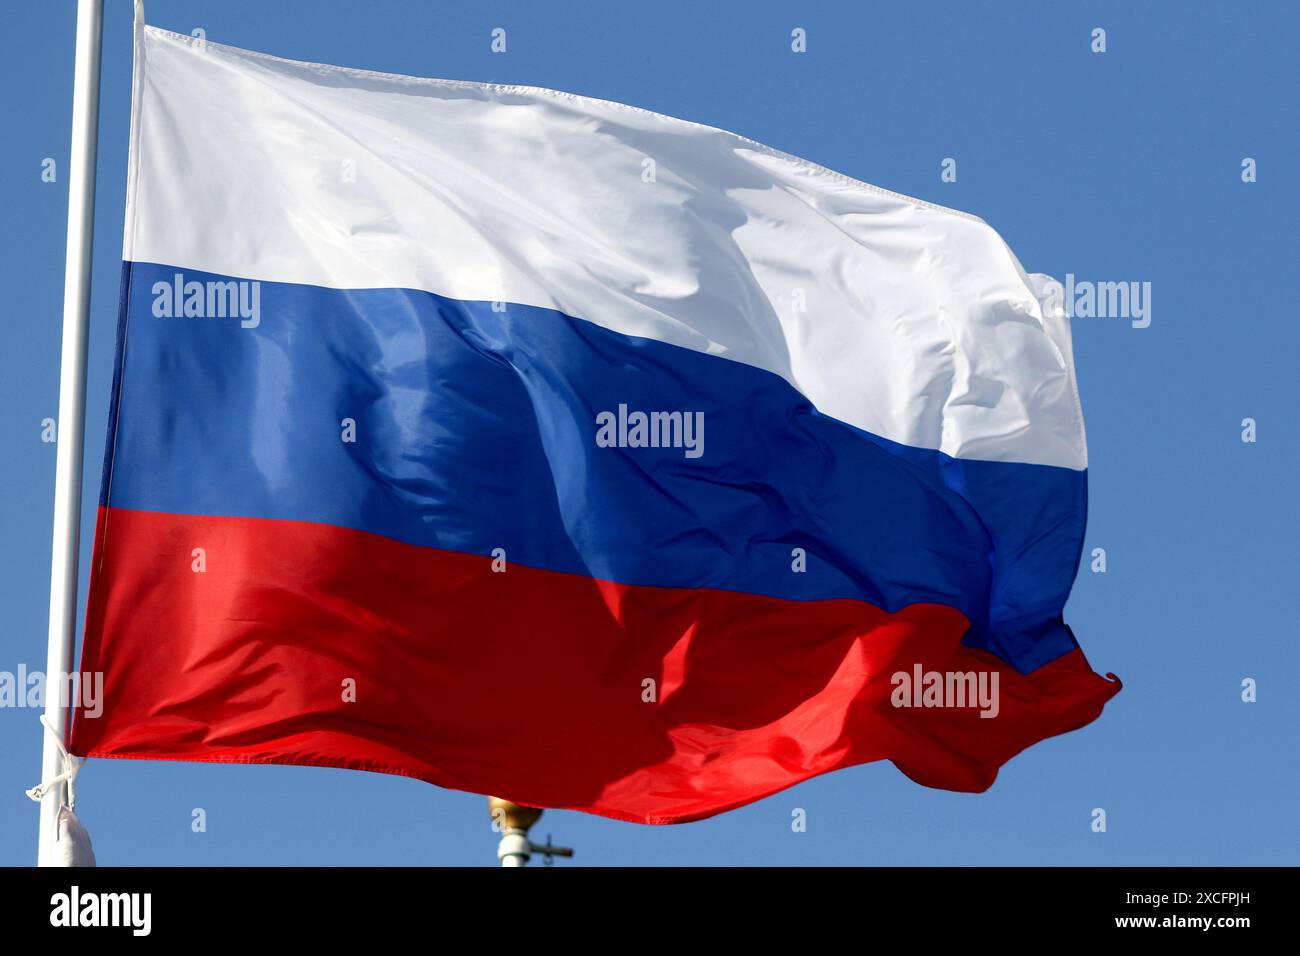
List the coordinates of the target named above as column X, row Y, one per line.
column 1119, row 166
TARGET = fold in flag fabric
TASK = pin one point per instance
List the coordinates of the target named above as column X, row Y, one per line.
column 541, row 446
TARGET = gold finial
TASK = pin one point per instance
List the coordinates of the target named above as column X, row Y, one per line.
column 513, row 820
column 512, row 816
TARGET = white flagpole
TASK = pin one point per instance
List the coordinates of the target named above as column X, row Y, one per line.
column 513, row 821
column 72, row 406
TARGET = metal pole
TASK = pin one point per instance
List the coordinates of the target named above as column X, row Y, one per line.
column 513, row 821
column 72, row 405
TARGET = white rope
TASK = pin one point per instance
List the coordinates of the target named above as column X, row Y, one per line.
column 71, row 767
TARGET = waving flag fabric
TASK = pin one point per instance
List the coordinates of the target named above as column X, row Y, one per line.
column 541, row 446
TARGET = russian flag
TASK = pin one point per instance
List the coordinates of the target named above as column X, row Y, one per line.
column 541, row 446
